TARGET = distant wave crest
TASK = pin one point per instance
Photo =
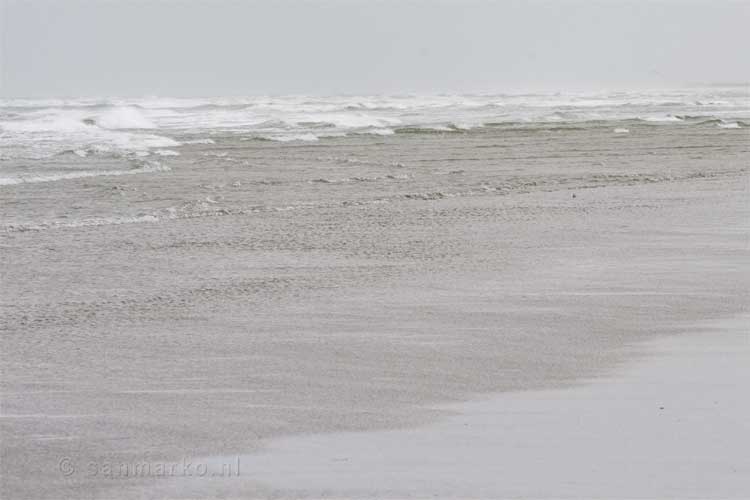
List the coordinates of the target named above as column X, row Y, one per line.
column 87, row 127
column 84, row 130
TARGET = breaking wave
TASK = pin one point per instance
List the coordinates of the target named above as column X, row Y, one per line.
column 290, row 137
column 146, row 167
column 124, row 117
column 722, row 124
column 85, row 130
column 31, row 129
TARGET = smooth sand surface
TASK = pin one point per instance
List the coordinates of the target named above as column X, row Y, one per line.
column 674, row 424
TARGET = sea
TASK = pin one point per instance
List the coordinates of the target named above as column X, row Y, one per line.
column 50, row 140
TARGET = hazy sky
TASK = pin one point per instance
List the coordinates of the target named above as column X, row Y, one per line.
column 217, row 47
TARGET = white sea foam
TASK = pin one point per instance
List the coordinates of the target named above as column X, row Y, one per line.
column 52, row 122
column 377, row 131
column 149, row 166
column 200, row 141
column 123, row 117
column 32, row 129
column 621, row 131
column 346, row 120
column 728, row 125
column 291, row 137
column 665, row 118
column 465, row 125
column 440, row 128
column 83, row 130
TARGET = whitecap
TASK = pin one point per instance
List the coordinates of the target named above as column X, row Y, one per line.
column 377, row 131
column 728, row 125
column 344, row 120
column 33, row 129
column 291, row 137
column 41, row 133
column 440, row 128
column 147, row 167
column 200, row 141
column 123, row 117
column 667, row 118
column 52, row 122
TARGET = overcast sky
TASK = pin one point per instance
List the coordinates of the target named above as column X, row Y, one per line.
column 223, row 47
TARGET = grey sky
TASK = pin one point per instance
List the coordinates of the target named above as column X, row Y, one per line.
column 216, row 47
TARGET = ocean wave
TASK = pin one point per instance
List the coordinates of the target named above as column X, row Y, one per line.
column 338, row 121
column 360, row 161
column 730, row 125
column 290, row 138
column 83, row 152
column 375, row 178
column 78, row 120
column 125, row 117
column 31, row 129
column 43, row 133
column 376, row 131
column 429, row 129
column 660, row 119
column 50, row 123
column 199, row 141
column 146, row 167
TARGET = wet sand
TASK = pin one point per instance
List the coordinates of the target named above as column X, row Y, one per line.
column 671, row 425
column 213, row 308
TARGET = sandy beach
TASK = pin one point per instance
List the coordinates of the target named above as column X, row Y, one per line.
column 374, row 250
column 337, row 315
